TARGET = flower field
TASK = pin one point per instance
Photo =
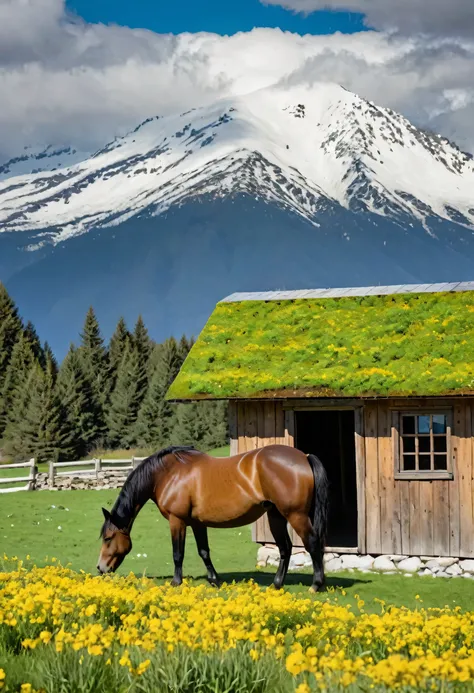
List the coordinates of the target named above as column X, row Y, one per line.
column 64, row 631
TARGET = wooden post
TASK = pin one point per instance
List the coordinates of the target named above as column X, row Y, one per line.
column 51, row 473
column 97, row 467
column 32, row 479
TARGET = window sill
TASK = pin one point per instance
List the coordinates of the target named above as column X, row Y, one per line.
column 423, row 476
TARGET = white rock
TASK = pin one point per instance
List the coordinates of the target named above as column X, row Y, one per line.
column 300, row 560
column 334, row 565
column 329, row 556
column 261, row 564
column 410, row 565
column 426, row 571
column 454, row 570
column 468, row 566
column 442, row 574
column 396, row 558
column 445, row 561
column 383, row 563
column 356, row 562
column 405, row 574
column 433, row 567
column 469, row 576
column 264, row 553
column 366, row 562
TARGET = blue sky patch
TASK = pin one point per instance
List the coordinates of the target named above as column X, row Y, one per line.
column 217, row 16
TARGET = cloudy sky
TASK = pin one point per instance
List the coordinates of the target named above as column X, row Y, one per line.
column 84, row 71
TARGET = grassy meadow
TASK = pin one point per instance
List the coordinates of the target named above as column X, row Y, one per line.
column 64, row 629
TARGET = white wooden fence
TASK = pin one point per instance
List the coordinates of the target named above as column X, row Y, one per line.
column 90, row 469
column 9, row 480
column 87, row 469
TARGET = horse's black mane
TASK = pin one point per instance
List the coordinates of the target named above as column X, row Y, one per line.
column 137, row 488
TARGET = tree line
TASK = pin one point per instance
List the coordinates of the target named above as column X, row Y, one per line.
column 101, row 396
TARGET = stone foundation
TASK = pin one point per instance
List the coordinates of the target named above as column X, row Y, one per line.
column 441, row 567
column 104, row 480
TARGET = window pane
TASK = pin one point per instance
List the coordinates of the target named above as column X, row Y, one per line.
column 439, row 423
column 409, row 445
column 423, row 424
column 408, row 463
column 440, row 444
column 441, row 462
column 408, row 424
column 424, row 463
column 424, row 444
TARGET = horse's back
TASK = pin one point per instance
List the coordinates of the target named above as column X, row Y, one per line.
column 285, row 476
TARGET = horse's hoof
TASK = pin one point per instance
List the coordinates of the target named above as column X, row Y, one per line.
column 314, row 589
column 215, row 583
column 176, row 583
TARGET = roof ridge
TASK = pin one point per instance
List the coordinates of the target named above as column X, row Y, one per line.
column 349, row 292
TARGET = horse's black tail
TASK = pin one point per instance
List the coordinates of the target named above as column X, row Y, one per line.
column 320, row 505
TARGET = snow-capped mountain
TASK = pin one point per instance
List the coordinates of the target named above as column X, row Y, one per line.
column 293, row 188
column 296, row 148
column 40, row 159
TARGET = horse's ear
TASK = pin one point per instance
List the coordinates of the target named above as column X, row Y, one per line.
column 106, row 514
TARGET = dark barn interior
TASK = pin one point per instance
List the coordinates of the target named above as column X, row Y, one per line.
column 330, row 436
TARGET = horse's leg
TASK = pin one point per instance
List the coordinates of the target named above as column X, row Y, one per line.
column 282, row 539
column 312, row 543
column 178, row 539
column 200, row 534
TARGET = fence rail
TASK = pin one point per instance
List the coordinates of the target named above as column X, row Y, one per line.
column 30, row 479
column 90, row 469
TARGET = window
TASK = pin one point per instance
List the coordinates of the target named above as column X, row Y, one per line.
column 423, row 449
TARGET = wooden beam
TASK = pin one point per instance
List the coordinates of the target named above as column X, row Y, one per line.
column 360, row 477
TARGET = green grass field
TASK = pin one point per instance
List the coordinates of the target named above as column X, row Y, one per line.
column 65, row 525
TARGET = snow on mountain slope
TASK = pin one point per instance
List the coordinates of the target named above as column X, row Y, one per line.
column 39, row 159
column 299, row 148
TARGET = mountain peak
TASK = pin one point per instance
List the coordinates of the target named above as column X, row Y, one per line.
column 297, row 147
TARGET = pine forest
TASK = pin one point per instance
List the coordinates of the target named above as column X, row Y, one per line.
column 102, row 396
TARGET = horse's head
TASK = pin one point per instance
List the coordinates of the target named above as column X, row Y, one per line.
column 116, row 544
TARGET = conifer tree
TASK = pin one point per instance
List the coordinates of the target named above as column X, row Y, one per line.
column 33, row 340
column 185, row 428
column 156, row 418
column 50, row 362
column 184, row 347
column 125, row 401
column 75, row 393
column 10, row 329
column 117, row 345
column 21, row 361
column 41, row 429
column 94, row 365
column 142, row 341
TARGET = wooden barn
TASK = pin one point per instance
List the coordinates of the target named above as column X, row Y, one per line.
column 378, row 382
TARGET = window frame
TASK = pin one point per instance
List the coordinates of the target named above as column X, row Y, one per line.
column 421, row 475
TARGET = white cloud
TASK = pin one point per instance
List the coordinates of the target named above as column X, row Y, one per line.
column 64, row 81
column 439, row 17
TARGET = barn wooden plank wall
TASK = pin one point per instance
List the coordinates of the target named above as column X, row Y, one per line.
column 426, row 517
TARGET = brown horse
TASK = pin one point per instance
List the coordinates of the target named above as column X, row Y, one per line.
column 193, row 489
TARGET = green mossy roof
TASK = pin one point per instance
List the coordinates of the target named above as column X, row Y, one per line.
column 405, row 344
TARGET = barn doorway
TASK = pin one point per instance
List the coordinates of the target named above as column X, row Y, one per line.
column 330, row 436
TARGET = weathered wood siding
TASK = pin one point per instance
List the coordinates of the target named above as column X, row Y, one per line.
column 426, row 517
